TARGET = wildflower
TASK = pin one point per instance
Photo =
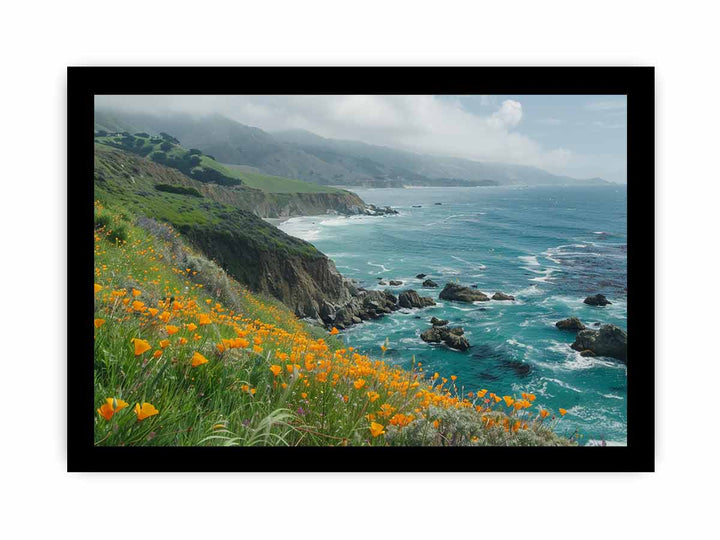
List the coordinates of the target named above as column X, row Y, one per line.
column 138, row 305
column 135, row 292
column 334, row 331
column 257, row 349
column 153, row 311
column 157, row 354
column 453, row 377
column 203, row 319
column 183, row 341
column 98, row 288
column 372, row 396
column 164, row 343
column 191, row 327
column 141, row 346
column 303, row 395
column 563, row 412
column 276, row 370
column 359, row 384
column 376, row 429
column 384, row 348
column 171, row 329
column 508, row 400
column 145, row 411
column 110, row 407
column 198, row 359
column 544, row 413
column 99, row 322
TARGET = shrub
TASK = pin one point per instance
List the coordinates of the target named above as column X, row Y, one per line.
column 165, row 146
column 118, row 234
column 102, row 220
column 142, row 134
column 180, row 190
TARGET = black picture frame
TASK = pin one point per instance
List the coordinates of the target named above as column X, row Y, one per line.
column 637, row 83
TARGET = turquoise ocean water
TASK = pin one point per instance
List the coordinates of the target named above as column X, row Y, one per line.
column 550, row 247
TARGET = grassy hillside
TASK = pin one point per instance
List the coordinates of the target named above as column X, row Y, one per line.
column 185, row 355
column 165, row 149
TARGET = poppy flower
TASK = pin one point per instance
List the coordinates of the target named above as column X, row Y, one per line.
column 359, row 384
column 563, row 412
column 372, row 396
column 135, row 292
column 183, row 341
column 191, row 327
column 203, row 319
column 453, row 377
column 198, row 359
column 99, row 322
column 276, row 370
column 145, row 411
column 334, row 331
column 157, row 354
column 508, row 400
column 164, row 343
column 376, row 429
column 98, row 288
column 171, row 329
column 544, row 413
column 110, row 407
column 141, row 345
column 153, row 311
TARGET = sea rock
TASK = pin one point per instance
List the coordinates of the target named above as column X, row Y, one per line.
column 395, row 282
column 597, row 300
column 420, row 276
column 587, row 352
column 502, row 296
column 572, row 323
column 438, row 322
column 453, row 291
column 438, row 204
column 411, row 299
column 451, row 336
column 372, row 210
column 429, row 284
column 609, row 340
column 382, row 282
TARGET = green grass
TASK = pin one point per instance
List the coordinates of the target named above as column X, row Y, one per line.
column 153, row 287
column 269, row 184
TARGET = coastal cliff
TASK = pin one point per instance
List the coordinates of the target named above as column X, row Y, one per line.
column 224, row 223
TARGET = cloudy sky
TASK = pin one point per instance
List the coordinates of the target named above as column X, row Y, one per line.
column 581, row 136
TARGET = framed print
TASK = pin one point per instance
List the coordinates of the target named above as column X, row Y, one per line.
column 361, row 269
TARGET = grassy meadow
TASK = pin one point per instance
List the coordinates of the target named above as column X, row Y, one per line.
column 185, row 355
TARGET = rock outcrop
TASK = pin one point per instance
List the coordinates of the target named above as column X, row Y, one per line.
column 395, row 283
column 429, row 284
column 453, row 291
column 572, row 324
column 420, row 276
column 438, row 322
column 502, row 296
column 452, row 337
column 609, row 340
column 597, row 300
column 411, row 299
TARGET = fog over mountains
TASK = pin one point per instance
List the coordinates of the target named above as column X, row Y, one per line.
column 306, row 156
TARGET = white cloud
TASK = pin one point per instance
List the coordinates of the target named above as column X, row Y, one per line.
column 420, row 123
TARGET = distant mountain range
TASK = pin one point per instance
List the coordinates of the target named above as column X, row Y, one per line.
column 306, row 156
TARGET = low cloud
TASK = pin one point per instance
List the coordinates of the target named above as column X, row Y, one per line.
column 420, row 123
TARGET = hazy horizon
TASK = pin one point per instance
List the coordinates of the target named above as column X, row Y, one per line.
column 574, row 135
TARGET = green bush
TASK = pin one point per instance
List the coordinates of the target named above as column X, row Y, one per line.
column 102, row 220
column 118, row 234
column 179, row 190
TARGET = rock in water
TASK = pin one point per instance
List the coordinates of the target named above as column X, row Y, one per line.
column 395, row 283
column 411, row 299
column 453, row 291
column 502, row 296
column 420, row 276
column 608, row 341
column 597, row 300
column 429, row 284
column 452, row 337
column 572, row 323
column 438, row 322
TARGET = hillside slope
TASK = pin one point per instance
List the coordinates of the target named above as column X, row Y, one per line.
column 306, row 156
column 265, row 196
column 186, row 356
